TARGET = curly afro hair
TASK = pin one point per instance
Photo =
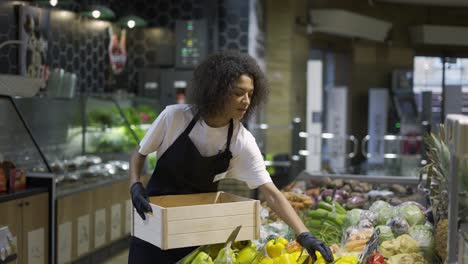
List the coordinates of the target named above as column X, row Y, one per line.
column 214, row 81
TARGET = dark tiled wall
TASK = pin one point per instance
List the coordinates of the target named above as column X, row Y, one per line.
column 8, row 31
column 80, row 46
column 233, row 25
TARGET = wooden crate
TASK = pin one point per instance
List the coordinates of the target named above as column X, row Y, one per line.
column 197, row 219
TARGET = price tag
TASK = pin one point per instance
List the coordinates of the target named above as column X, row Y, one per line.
column 371, row 247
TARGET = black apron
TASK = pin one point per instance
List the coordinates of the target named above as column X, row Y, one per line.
column 180, row 170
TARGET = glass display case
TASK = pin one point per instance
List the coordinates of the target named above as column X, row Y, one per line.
column 16, row 144
column 87, row 140
column 80, row 147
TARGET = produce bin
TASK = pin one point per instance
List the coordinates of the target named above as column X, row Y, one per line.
column 197, row 219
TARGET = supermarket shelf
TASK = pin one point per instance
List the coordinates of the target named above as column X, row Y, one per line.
column 405, row 180
column 82, row 185
column 23, row 193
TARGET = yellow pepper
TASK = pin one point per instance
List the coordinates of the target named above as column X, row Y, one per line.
column 274, row 248
column 347, row 260
column 282, row 240
column 295, row 256
column 286, row 259
column 266, row 261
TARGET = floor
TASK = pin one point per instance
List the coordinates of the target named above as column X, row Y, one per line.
column 121, row 258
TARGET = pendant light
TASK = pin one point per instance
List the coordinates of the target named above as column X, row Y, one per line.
column 132, row 21
column 99, row 12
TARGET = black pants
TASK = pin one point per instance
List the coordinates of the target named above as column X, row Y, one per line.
column 142, row 252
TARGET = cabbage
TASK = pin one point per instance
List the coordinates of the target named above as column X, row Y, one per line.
column 385, row 233
column 365, row 224
column 383, row 210
column 398, row 225
column 367, row 215
column 353, row 217
column 412, row 214
column 424, row 235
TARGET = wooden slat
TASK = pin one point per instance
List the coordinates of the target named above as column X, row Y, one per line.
column 151, row 229
column 229, row 197
column 196, row 199
column 164, row 224
column 211, row 210
column 206, row 238
column 150, row 237
column 210, row 224
column 184, row 199
column 257, row 219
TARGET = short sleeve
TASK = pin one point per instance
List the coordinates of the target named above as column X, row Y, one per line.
column 155, row 135
column 248, row 165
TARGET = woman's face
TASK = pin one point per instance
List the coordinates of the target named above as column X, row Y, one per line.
column 239, row 100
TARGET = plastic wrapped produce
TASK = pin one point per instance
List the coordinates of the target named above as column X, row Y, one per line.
column 398, row 225
column 402, row 244
column 385, row 233
column 411, row 213
column 383, row 210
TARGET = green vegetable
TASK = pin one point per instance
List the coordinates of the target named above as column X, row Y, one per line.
column 353, row 217
column 383, row 211
column 339, row 208
column 385, row 233
column 202, row 258
column 318, row 214
column 412, row 214
column 225, row 255
column 314, row 223
column 325, row 206
column 190, row 257
column 336, row 218
column 424, row 235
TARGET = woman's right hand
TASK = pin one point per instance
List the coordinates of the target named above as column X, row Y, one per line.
column 140, row 199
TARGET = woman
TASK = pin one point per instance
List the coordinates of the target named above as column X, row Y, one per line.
column 205, row 141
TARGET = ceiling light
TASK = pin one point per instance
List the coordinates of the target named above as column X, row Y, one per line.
column 99, row 11
column 53, row 2
column 132, row 21
column 96, row 14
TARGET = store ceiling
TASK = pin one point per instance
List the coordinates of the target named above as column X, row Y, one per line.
column 430, row 2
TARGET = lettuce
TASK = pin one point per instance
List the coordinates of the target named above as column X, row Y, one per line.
column 385, row 233
column 412, row 214
column 383, row 210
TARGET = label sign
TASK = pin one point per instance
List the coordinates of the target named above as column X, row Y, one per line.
column 82, row 234
column 128, row 216
column 116, row 228
column 36, row 246
column 371, row 247
column 64, row 242
column 100, row 227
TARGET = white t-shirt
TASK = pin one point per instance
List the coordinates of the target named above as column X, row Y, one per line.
column 247, row 163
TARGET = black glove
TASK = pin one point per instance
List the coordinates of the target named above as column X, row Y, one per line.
column 311, row 243
column 140, row 199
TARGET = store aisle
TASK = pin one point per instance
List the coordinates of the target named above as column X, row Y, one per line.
column 121, row 258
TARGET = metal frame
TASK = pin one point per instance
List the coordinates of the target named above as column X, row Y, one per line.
column 406, row 180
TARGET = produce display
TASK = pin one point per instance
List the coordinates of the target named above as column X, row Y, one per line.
column 360, row 222
column 108, row 131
